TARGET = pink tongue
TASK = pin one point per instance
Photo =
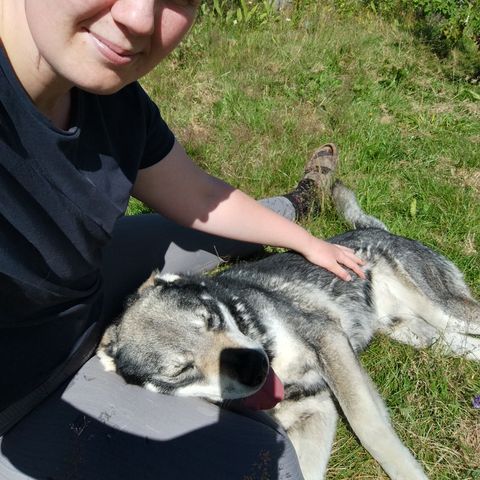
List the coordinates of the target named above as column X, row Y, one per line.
column 268, row 396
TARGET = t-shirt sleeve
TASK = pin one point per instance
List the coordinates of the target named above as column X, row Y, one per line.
column 159, row 137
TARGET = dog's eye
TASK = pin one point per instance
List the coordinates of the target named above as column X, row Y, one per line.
column 184, row 369
column 210, row 320
column 214, row 322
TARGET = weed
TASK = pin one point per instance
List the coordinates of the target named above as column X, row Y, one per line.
column 445, row 25
column 241, row 12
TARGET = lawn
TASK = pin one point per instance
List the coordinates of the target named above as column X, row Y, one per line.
column 251, row 101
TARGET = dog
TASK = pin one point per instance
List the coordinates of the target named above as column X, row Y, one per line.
column 216, row 336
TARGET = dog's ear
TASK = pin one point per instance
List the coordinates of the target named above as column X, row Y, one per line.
column 149, row 282
column 157, row 279
column 107, row 348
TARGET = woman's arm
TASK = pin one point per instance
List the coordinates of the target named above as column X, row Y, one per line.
column 181, row 191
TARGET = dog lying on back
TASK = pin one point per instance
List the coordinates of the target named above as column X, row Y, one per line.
column 215, row 337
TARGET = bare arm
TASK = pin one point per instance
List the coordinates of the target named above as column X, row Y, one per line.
column 181, row 191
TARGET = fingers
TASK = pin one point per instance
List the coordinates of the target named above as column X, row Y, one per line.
column 353, row 262
column 334, row 258
column 340, row 272
column 347, row 258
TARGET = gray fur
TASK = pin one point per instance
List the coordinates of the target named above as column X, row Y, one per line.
column 215, row 336
column 345, row 202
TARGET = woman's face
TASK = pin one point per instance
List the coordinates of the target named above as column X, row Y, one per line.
column 102, row 45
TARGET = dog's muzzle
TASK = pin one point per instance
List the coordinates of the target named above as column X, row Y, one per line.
column 248, row 366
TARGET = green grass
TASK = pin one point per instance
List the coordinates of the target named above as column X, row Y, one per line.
column 251, row 102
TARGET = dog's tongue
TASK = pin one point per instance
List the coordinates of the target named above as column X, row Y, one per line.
column 268, row 396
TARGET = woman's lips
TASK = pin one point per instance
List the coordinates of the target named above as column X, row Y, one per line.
column 112, row 52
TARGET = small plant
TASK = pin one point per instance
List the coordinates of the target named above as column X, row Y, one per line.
column 239, row 12
column 444, row 24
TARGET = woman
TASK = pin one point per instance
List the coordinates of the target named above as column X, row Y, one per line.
column 78, row 136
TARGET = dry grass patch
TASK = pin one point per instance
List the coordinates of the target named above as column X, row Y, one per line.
column 469, row 178
column 195, row 134
column 470, row 245
column 473, row 108
column 468, row 432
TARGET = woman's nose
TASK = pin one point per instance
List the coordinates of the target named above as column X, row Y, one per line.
column 138, row 16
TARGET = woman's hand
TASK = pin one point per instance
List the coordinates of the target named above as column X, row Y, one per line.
column 334, row 258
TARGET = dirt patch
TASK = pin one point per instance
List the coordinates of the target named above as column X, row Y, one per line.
column 473, row 108
column 469, row 433
column 308, row 121
column 469, row 178
column 441, row 108
column 387, row 119
column 195, row 135
column 470, row 244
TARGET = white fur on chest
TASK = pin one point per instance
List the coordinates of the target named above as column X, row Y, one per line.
column 293, row 362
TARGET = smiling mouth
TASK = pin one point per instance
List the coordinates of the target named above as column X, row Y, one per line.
column 111, row 52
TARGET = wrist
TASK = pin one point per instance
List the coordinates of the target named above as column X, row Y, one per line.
column 302, row 242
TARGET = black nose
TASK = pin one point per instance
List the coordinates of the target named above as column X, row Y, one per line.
column 248, row 366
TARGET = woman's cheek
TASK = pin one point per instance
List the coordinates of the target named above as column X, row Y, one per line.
column 173, row 25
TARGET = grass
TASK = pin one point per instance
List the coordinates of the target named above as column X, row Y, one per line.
column 251, row 102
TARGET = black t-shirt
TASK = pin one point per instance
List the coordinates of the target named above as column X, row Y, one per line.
column 61, row 193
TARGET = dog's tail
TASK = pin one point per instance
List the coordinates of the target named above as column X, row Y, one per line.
column 347, row 205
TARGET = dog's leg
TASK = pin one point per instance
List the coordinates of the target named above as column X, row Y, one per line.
column 363, row 407
column 415, row 331
column 311, row 425
column 425, row 311
column 459, row 345
column 443, row 298
column 445, row 325
column 467, row 311
column 455, row 314
column 411, row 330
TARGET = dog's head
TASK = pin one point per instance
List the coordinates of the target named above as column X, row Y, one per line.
column 179, row 335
